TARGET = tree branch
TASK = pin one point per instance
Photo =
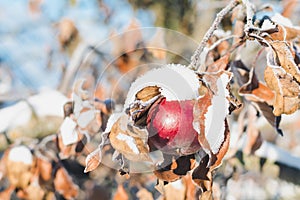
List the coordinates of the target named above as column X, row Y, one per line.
column 196, row 61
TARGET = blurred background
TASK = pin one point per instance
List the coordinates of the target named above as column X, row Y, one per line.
column 46, row 45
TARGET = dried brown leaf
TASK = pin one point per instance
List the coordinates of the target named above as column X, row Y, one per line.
column 129, row 140
column 286, row 88
column 202, row 175
column 267, row 112
column 224, row 147
column 148, row 93
column 283, row 57
column 281, row 31
column 92, row 160
column 256, row 91
column 216, row 101
column 220, row 64
column 191, row 189
column 68, row 35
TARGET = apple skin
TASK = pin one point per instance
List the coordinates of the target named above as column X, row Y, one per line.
column 170, row 127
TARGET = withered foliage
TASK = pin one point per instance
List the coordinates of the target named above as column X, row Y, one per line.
column 225, row 81
column 228, row 79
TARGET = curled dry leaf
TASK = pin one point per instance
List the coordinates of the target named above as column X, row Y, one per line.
column 148, row 93
column 287, row 31
column 261, row 96
column 278, row 28
column 282, row 56
column 92, row 160
column 202, row 175
column 285, row 85
column 287, row 90
column 220, row 64
column 210, row 113
column 79, row 90
column 129, row 140
column 128, row 47
column 256, row 91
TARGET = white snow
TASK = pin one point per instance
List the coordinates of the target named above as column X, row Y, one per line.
column 46, row 103
column 20, row 154
column 85, row 118
column 176, row 81
column 267, row 24
column 216, row 114
column 112, row 120
column 129, row 141
column 68, row 132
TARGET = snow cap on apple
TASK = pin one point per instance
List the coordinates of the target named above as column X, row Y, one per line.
column 175, row 110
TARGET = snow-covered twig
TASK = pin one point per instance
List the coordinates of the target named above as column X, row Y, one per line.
column 196, row 58
column 249, row 10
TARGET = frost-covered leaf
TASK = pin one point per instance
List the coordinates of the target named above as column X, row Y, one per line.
column 289, row 31
column 93, row 160
column 68, row 131
column 129, row 140
column 283, row 57
column 285, row 86
column 287, row 90
column 211, row 111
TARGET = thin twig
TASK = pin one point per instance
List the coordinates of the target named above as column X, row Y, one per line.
column 249, row 9
column 196, row 58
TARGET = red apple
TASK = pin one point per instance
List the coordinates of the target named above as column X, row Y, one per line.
column 170, row 127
